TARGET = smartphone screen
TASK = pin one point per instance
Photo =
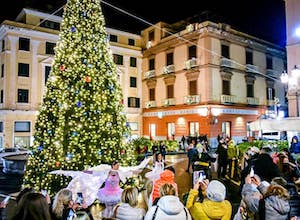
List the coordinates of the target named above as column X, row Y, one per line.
column 71, row 214
column 79, row 199
column 198, row 176
column 6, row 199
column 44, row 192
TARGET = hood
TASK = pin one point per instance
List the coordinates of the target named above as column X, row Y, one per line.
column 295, row 138
column 171, row 205
column 167, row 175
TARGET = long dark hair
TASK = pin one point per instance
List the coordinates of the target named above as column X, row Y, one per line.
column 32, row 206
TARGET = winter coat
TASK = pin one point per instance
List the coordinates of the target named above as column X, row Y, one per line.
column 166, row 176
column 295, row 146
column 232, row 151
column 126, row 212
column 208, row 209
column 275, row 206
column 168, row 208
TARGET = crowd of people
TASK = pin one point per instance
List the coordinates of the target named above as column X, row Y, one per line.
column 269, row 189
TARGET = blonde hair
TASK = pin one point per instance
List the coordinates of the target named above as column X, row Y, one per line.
column 167, row 189
column 61, row 201
column 130, row 196
column 81, row 215
column 277, row 190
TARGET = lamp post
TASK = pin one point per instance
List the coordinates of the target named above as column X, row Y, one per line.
column 293, row 90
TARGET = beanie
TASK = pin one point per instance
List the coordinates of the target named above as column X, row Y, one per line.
column 216, row 191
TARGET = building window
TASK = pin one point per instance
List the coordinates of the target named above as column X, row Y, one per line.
column 1, row 127
column 250, row 90
column 24, row 44
column 23, row 69
column 249, row 57
column 2, row 70
column 131, row 42
column 47, row 73
column 23, row 95
column 249, row 132
column 194, row 129
column 133, row 102
column 152, row 94
column 170, row 91
column 3, row 46
column 133, row 82
column 22, row 126
column 170, row 59
column 269, row 61
column 226, row 87
column 50, row 48
column 22, row 141
column 193, row 87
column 49, row 24
column 152, row 64
column 1, row 96
column 132, row 61
column 192, row 52
column 171, row 130
column 225, row 51
column 270, row 93
column 134, row 126
column 151, row 35
column 226, row 128
column 118, row 59
column 113, row 38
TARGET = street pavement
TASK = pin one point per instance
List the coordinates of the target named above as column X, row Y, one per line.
column 11, row 184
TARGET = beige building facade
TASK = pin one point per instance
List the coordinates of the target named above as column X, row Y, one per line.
column 208, row 79
column 26, row 57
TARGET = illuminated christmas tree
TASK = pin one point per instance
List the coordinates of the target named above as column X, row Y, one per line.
column 81, row 121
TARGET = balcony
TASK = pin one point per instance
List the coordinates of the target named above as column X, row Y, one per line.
column 149, row 74
column 225, row 62
column 189, row 64
column 251, row 68
column 150, row 104
column 252, row 101
column 168, row 102
column 271, row 73
column 228, row 99
column 168, row 69
column 191, row 99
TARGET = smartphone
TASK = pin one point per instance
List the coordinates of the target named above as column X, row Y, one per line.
column 79, row 198
column 198, row 176
column 44, row 192
column 6, row 199
column 251, row 172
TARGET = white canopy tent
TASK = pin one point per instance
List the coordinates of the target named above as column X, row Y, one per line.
column 281, row 124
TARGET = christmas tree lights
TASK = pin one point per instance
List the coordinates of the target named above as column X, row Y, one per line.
column 81, row 121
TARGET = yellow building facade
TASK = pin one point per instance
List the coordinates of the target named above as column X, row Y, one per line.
column 26, row 57
column 207, row 79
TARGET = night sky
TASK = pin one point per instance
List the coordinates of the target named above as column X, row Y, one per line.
column 261, row 18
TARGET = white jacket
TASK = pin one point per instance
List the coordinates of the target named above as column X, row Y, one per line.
column 126, row 212
column 169, row 208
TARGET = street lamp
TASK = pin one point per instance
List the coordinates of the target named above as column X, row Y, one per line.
column 292, row 81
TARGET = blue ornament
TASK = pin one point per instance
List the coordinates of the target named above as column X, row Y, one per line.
column 49, row 131
column 73, row 29
column 76, row 92
column 95, row 49
column 74, row 133
column 84, row 61
column 99, row 153
column 111, row 88
column 79, row 104
column 69, row 156
column 84, row 14
column 40, row 148
column 90, row 65
column 85, row 114
column 127, row 124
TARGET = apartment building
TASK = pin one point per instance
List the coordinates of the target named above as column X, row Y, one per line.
column 206, row 78
column 27, row 52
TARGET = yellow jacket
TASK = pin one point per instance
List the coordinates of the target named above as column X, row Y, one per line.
column 208, row 209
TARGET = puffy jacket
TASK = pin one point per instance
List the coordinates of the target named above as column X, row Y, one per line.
column 168, row 208
column 166, row 176
column 208, row 209
column 125, row 212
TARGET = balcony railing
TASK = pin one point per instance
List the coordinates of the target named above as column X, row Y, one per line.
column 252, row 101
column 168, row 69
column 191, row 99
column 252, row 68
column 271, row 72
column 168, row 102
column 225, row 62
column 228, row 99
column 150, row 104
column 189, row 64
column 149, row 74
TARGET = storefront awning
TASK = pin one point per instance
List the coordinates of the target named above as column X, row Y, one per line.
column 282, row 124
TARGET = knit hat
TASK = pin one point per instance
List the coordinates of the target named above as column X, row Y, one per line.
column 216, row 191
